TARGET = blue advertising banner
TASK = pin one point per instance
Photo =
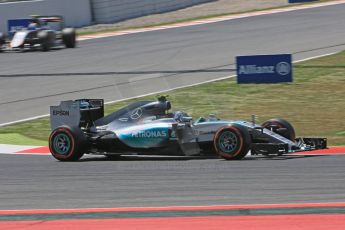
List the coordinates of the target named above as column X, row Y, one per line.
column 14, row 25
column 297, row 1
column 264, row 68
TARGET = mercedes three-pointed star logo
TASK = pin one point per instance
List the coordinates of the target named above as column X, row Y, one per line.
column 136, row 114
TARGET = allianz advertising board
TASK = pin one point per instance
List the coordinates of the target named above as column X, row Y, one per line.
column 264, row 68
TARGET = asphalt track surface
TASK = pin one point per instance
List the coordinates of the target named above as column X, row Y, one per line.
column 40, row 182
column 124, row 66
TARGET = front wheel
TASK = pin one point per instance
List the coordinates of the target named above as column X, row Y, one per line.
column 45, row 39
column 67, row 144
column 281, row 127
column 232, row 142
column 2, row 40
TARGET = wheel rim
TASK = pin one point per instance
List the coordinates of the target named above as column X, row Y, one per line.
column 228, row 142
column 62, row 144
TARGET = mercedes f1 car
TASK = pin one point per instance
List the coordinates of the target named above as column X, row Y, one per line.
column 43, row 33
column 146, row 127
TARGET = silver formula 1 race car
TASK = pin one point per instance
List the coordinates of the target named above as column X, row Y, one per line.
column 43, row 33
column 146, row 127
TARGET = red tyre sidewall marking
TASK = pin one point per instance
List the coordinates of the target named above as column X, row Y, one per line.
column 239, row 135
column 69, row 134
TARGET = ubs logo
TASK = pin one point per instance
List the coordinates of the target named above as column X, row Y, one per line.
column 136, row 114
column 283, row 68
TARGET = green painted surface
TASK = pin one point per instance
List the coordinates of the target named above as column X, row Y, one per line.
column 177, row 213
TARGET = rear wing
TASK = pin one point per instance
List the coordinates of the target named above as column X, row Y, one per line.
column 82, row 113
column 47, row 19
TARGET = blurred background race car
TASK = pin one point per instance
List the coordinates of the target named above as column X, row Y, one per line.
column 40, row 32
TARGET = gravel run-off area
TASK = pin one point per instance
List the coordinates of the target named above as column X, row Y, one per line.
column 217, row 7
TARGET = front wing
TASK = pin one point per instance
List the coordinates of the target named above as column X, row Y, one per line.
column 302, row 144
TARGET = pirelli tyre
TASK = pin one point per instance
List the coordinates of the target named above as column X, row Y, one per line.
column 69, row 37
column 46, row 39
column 67, row 143
column 281, row 127
column 2, row 40
column 232, row 142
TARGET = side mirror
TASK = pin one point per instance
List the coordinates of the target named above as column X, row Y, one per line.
column 186, row 119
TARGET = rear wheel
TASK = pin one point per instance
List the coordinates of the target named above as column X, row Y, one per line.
column 69, row 37
column 67, row 144
column 232, row 142
column 281, row 127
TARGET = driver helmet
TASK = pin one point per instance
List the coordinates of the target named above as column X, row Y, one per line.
column 178, row 116
column 32, row 26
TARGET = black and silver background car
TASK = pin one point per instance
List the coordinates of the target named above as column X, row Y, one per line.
column 43, row 33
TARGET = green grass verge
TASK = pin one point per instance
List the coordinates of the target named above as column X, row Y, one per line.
column 19, row 139
column 314, row 103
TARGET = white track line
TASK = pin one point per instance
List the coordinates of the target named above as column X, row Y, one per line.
column 10, row 149
column 24, row 120
column 157, row 92
column 319, row 56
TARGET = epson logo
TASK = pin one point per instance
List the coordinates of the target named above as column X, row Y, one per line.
column 60, row 113
column 282, row 68
column 150, row 134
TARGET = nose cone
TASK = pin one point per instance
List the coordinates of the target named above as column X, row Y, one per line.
column 18, row 39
